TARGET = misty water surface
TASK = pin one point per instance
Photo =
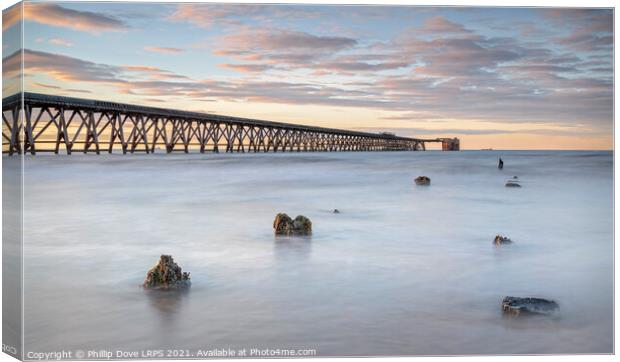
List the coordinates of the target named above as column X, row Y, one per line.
column 403, row 270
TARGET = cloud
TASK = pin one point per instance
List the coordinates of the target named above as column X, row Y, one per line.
column 587, row 42
column 144, row 80
column 56, row 15
column 163, row 50
column 208, row 15
column 456, row 56
column 529, row 94
column 265, row 49
column 69, row 69
column 414, row 76
column 362, row 66
column 48, row 86
column 255, row 40
column 11, row 16
column 63, row 67
column 151, row 72
column 589, row 29
column 60, row 89
column 439, row 25
column 247, row 68
column 60, row 41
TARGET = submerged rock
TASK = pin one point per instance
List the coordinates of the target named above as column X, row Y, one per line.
column 516, row 306
column 499, row 240
column 512, row 183
column 284, row 225
column 166, row 274
column 422, row 181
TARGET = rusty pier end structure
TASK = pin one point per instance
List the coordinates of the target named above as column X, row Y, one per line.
column 38, row 123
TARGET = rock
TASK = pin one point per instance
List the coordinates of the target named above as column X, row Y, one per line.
column 512, row 183
column 500, row 164
column 166, row 274
column 302, row 225
column 516, row 306
column 422, row 181
column 284, row 225
column 499, row 240
column 336, row 211
column 515, row 177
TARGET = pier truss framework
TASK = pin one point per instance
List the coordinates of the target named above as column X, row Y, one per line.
column 44, row 123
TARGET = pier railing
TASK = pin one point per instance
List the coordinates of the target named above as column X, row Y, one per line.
column 43, row 123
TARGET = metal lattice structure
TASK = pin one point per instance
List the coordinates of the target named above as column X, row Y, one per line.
column 44, row 123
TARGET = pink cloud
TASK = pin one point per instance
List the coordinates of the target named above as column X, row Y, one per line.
column 163, row 50
column 437, row 25
column 268, row 48
column 56, row 15
column 207, row 15
column 268, row 40
column 11, row 16
column 61, row 41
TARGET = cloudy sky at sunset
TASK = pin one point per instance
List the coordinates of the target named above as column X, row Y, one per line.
column 506, row 78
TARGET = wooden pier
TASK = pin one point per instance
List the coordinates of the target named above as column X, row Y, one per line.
column 44, row 123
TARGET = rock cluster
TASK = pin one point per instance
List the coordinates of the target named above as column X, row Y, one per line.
column 166, row 274
column 422, row 181
column 516, row 306
column 499, row 240
column 284, row 225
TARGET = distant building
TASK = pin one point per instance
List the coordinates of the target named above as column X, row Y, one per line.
column 450, row 144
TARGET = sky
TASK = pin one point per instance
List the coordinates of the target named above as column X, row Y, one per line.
column 502, row 78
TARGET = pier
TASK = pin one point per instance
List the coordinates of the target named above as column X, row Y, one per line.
column 45, row 123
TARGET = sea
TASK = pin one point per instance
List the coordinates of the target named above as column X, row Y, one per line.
column 401, row 270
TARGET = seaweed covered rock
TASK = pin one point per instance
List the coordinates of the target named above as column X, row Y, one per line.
column 516, row 306
column 422, row 181
column 500, row 240
column 284, row 225
column 302, row 225
column 166, row 274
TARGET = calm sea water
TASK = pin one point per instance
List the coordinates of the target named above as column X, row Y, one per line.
column 403, row 270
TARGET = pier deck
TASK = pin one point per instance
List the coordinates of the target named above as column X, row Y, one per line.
column 64, row 124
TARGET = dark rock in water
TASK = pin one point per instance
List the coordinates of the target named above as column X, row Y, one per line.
column 516, row 306
column 336, row 211
column 284, row 225
column 422, row 181
column 500, row 164
column 499, row 240
column 166, row 274
column 514, row 177
column 512, row 183
column 302, row 225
